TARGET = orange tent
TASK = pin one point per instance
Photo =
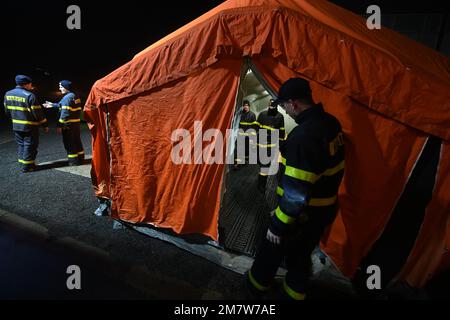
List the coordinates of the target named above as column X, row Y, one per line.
column 389, row 93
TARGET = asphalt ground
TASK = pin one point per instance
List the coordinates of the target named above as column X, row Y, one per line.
column 47, row 223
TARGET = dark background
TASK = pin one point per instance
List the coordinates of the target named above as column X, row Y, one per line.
column 36, row 42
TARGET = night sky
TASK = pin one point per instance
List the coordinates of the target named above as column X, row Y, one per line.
column 36, row 41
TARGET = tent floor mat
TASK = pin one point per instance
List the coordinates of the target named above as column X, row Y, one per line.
column 245, row 212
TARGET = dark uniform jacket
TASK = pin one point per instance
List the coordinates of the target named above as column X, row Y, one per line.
column 24, row 110
column 271, row 120
column 248, row 121
column 70, row 109
column 311, row 171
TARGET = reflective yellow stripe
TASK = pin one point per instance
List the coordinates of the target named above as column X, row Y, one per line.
column 72, row 155
column 81, row 152
column 71, row 108
column 26, row 161
column 266, row 127
column 266, row 145
column 255, row 283
column 292, row 293
column 284, row 217
column 17, row 108
column 248, row 123
column 263, row 174
column 33, row 123
column 78, row 101
column 69, row 121
column 282, row 128
column 15, row 98
column 322, row 202
column 310, row 176
column 280, row 191
column 36, row 107
column 301, row 174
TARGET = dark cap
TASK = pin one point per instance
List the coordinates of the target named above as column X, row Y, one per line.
column 66, row 84
column 294, row 88
column 22, row 80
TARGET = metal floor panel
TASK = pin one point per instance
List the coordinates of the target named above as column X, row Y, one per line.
column 245, row 211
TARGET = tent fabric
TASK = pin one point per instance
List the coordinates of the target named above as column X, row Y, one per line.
column 389, row 93
column 403, row 73
column 431, row 248
column 365, row 204
column 144, row 180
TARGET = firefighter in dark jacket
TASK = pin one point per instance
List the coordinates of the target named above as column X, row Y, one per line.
column 69, row 122
column 27, row 116
column 269, row 121
column 311, row 172
column 246, row 134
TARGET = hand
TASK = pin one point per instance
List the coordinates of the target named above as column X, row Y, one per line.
column 46, row 130
column 273, row 238
column 58, row 130
column 48, row 105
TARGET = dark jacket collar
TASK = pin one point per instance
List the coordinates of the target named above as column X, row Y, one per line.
column 308, row 113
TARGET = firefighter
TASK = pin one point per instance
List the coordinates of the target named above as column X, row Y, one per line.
column 27, row 116
column 311, row 172
column 268, row 121
column 69, row 122
column 246, row 134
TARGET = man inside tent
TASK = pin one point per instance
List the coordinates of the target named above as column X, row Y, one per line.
column 246, row 134
column 268, row 121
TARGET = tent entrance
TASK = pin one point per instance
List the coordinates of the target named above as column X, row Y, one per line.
column 245, row 211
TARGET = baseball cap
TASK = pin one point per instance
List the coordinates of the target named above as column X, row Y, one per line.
column 294, row 88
